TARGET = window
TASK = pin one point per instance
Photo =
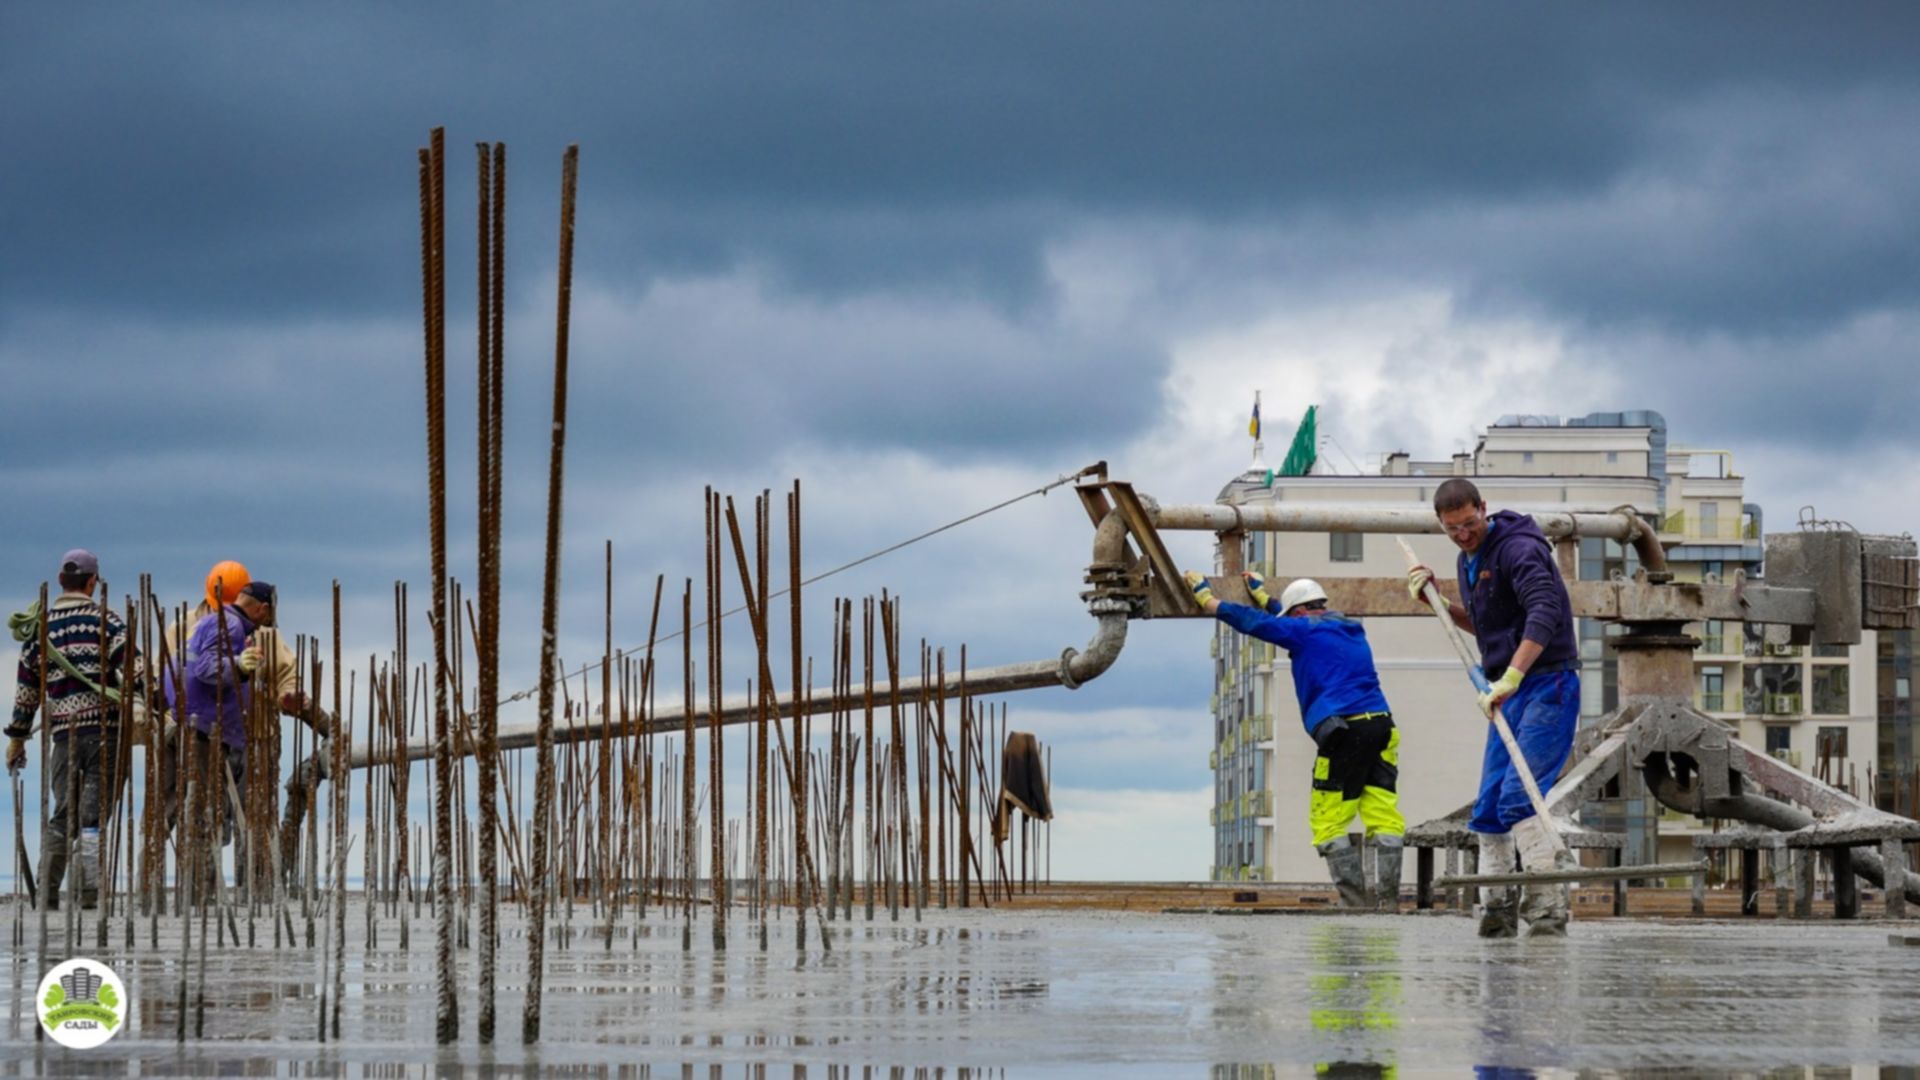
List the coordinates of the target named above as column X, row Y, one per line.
column 1345, row 546
column 1613, row 457
column 1773, row 689
column 1831, row 742
column 1710, row 520
column 1526, row 458
column 1713, row 689
column 1902, row 687
column 1831, row 683
column 1779, row 738
column 1713, row 638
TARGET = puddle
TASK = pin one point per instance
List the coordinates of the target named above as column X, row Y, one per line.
column 1035, row 994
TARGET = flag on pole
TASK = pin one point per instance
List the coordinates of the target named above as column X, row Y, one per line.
column 1305, row 449
column 1253, row 425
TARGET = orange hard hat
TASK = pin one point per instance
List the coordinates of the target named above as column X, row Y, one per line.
column 226, row 579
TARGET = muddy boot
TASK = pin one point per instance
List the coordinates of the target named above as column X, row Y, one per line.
column 1348, row 873
column 1386, row 872
column 53, row 869
column 1544, row 905
column 1499, row 915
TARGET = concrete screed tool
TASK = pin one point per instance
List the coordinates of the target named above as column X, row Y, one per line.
column 1431, row 594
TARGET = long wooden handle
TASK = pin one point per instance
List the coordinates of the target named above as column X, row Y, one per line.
column 1431, row 594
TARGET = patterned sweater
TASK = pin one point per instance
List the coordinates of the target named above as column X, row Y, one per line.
column 73, row 628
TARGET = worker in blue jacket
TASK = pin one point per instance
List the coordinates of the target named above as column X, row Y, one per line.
column 1515, row 603
column 1357, row 770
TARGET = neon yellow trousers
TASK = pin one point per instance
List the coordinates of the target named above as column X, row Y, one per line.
column 1356, row 775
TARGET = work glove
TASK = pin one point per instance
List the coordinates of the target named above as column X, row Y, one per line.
column 1202, row 591
column 248, row 661
column 293, row 703
column 1500, row 690
column 16, row 754
column 1257, row 589
column 1417, row 580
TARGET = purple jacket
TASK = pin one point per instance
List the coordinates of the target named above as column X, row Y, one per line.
column 1517, row 594
column 212, row 675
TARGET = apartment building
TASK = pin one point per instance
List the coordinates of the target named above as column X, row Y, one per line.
column 1819, row 707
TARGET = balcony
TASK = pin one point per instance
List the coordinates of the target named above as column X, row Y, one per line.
column 1722, row 644
column 1260, row 804
column 1711, row 702
column 1679, row 526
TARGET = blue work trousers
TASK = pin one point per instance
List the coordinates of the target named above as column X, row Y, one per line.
column 1544, row 714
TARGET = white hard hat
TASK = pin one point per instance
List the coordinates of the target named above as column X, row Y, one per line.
column 1301, row 591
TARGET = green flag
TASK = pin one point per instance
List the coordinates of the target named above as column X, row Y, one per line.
column 1301, row 455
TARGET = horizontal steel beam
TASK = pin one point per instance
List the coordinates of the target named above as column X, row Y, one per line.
column 1627, row 601
column 1624, row 526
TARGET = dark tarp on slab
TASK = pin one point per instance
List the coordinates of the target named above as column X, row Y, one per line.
column 1023, row 783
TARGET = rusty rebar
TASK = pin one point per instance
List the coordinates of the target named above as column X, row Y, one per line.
column 490, row 373
column 342, row 738
column 789, row 757
column 446, row 1007
column 550, row 606
column 716, row 761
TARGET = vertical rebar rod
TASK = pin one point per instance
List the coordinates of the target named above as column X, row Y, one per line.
column 689, row 809
column 491, row 189
column 800, row 741
column 341, row 791
column 550, row 608
column 890, row 634
column 868, row 840
column 760, row 528
column 757, row 615
column 716, row 765
column 446, row 1006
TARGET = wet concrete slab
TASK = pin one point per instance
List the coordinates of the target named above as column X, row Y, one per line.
column 1043, row 994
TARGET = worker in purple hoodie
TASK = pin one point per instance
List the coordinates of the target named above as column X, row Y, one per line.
column 221, row 657
column 1515, row 603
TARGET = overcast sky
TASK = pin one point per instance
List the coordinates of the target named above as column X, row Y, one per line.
column 924, row 260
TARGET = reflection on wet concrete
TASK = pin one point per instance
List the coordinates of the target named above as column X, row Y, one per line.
column 1057, row 994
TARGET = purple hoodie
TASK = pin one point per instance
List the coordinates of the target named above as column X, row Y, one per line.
column 1518, row 594
column 208, row 668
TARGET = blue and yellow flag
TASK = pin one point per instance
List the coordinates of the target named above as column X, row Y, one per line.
column 1253, row 425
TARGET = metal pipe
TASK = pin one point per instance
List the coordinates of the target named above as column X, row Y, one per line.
column 1070, row 669
column 1621, row 525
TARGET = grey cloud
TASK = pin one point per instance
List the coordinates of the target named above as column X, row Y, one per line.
column 239, row 160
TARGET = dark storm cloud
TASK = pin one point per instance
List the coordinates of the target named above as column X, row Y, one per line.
column 257, row 160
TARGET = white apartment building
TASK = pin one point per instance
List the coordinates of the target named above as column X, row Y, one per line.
column 1816, row 707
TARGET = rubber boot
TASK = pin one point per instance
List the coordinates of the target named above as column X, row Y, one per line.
column 1348, row 873
column 1544, row 905
column 53, row 869
column 1386, row 872
column 1499, row 914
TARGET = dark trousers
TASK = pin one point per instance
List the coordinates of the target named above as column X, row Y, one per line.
column 92, row 753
